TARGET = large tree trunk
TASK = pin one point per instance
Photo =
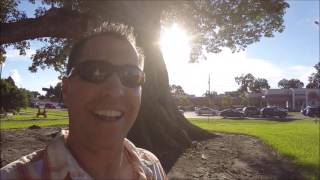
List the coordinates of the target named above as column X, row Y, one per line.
column 160, row 127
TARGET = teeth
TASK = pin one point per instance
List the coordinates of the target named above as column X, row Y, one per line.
column 108, row 113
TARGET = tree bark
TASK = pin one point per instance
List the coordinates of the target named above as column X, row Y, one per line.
column 60, row 23
column 160, row 127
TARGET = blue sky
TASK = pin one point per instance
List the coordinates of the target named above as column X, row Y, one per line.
column 290, row 54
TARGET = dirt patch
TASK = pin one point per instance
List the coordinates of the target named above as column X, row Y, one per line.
column 19, row 142
column 227, row 156
column 231, row 156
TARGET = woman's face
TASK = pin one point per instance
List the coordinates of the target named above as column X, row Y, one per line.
column 102, row 114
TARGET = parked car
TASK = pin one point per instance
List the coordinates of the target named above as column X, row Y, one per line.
column 239, row 109
column 273, row 111
column 49, row 106
column 251, row 111
column 231, row 113
column 62, row 105
column 34, row 104
column 283, row 109
column 207, row 111
column 311, row 111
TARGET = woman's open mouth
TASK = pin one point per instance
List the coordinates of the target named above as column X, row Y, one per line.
column 108, row 115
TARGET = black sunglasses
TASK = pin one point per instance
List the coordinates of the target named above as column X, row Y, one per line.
column 95, row 71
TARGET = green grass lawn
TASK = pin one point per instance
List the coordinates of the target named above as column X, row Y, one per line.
column 27, row 117
column 298, row 140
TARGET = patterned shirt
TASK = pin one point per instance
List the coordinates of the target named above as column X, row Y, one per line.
column 57, row 162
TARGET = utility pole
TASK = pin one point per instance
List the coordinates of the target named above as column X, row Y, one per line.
column 209, row 98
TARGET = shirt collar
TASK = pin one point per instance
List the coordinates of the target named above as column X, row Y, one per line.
column 61, row 162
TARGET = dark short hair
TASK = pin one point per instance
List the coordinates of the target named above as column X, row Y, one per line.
column 119, row 31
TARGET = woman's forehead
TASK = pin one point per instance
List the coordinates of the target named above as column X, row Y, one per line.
column 112, row 49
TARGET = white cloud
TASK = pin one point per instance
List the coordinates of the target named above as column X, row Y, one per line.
column 305, row 76
column 13, row 54
column 300, row 72
column 224, row 67
column 51, row 83
column 14, row 73
column 299, row 68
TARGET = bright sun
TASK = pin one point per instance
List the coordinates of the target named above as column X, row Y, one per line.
column 175, row 46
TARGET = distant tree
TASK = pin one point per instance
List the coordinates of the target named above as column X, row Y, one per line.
column 184, row 101
column 238, row 98
column 54, row 93
column 283, row 83
column 176, row 90
column 314, row 78
column 42, row 97
column 11, row 81
column 27, row 92
column 259, row 84
column 35, row 94
column 12, row 98
column 248, row 83
column 212, row 97
column 227, row 101
column 295, row 83
column 180, row 97
column 245, row 82
column 292, row 83
column 211, row 94
column 31, row 95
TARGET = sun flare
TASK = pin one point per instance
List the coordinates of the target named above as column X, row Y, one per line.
column 175, row 45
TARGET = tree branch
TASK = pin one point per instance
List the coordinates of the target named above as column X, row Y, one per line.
column 57, row 22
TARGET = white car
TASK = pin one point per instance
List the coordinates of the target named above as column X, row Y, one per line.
column 207, row 111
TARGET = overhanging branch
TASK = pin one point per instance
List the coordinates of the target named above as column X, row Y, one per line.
column 57, row 22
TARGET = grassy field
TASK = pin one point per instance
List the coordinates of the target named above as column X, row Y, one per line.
column 27, row 117
column 298, row 140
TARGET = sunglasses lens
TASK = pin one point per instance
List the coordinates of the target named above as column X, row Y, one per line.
column 93, row 72
column 99, row 71
column 132, row 77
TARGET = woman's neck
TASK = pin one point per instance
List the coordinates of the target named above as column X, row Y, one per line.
column 99, row 163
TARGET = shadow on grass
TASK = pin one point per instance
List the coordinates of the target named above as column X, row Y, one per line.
column 306, row 168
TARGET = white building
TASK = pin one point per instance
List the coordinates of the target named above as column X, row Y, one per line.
column 293, row 99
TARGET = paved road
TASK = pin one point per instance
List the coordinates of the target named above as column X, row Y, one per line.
column 192, row 114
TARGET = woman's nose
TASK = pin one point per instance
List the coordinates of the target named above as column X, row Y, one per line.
column 113, row 87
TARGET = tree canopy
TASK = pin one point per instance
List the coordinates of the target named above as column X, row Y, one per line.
column 177, row 90
column 214, row 24
column 314, row 78
column 292, row 83
column 248, row 83
column 54, row 93
column 12, row 97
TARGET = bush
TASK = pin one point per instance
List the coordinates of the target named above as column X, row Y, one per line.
column 12, row 98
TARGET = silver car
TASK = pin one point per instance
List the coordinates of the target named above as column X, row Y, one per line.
column 207, row 111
